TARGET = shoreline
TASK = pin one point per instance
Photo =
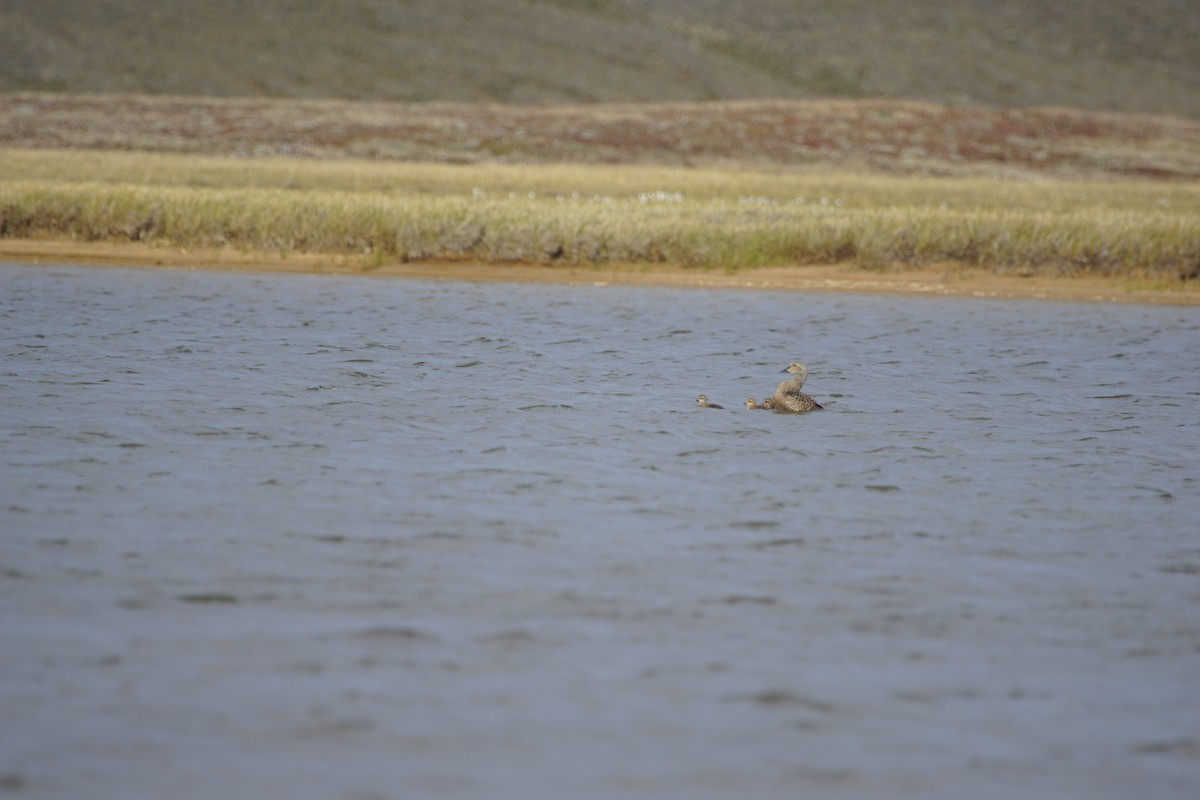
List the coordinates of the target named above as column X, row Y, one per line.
column 947, row 280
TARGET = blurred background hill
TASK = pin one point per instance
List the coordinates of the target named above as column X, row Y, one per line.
column 1124, row 55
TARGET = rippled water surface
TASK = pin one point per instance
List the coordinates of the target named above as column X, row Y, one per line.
column 326, row 537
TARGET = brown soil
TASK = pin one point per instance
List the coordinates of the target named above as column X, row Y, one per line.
column 947, row 280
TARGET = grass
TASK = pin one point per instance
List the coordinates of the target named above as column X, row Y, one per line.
column 700, row 218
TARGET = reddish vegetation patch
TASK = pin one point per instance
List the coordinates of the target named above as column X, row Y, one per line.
column 883, row 135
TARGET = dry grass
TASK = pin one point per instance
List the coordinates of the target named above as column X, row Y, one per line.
column 702, row 218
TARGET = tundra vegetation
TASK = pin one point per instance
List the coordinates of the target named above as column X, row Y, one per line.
column 713, row 217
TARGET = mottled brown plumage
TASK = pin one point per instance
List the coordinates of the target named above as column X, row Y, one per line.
column 788, row 397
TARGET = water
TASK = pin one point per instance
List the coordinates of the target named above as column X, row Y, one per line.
column 325, row 537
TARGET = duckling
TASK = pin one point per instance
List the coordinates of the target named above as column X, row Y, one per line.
column 702, row 401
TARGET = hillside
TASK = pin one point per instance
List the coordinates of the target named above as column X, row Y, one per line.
column 1126, row 55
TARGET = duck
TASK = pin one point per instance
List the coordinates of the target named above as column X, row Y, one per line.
column 788, row 397
column 703, row 402
column 767, row 403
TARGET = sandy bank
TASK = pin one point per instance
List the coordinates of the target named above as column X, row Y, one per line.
column 943, row 280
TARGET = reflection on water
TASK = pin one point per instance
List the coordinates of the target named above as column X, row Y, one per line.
column 477, row 536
